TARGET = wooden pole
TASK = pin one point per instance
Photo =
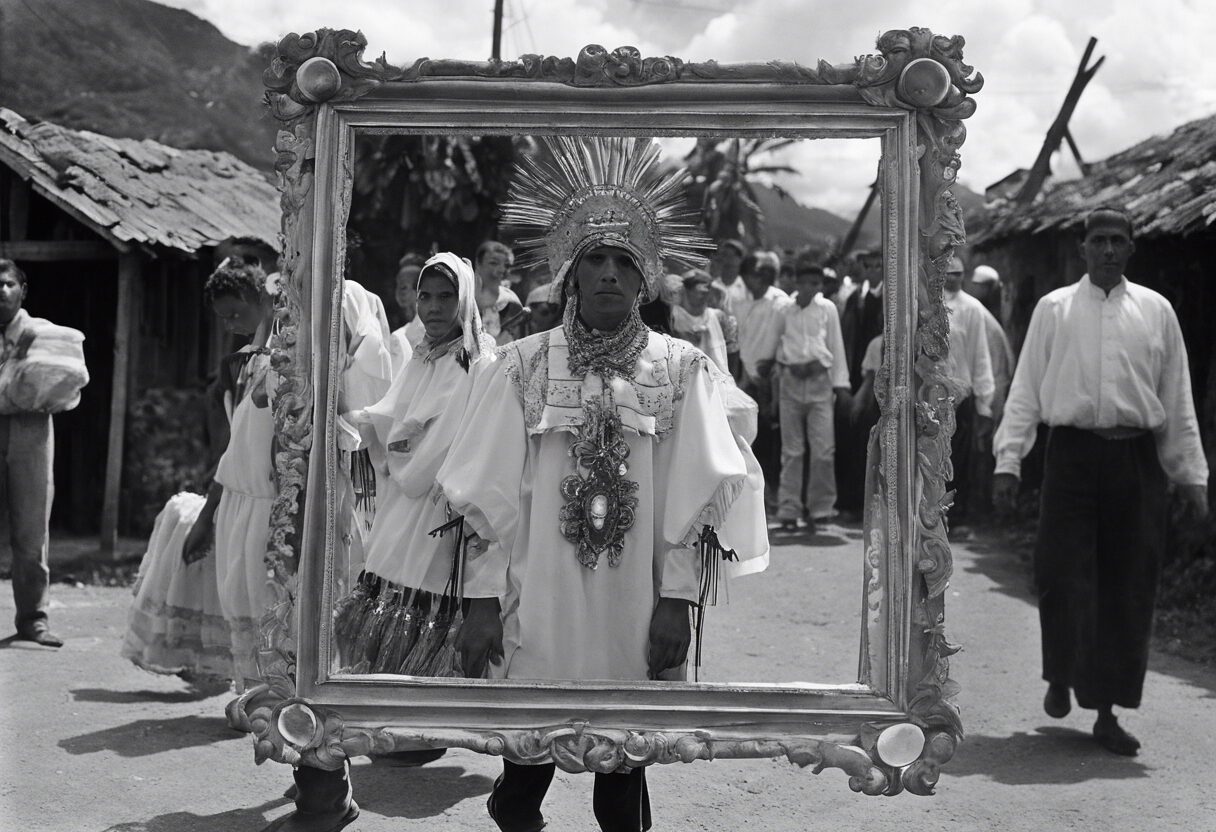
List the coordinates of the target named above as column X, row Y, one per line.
column 855, row 230
column 1059, row 127
column 128, row 273
column 1076, row 152
column 496, row 48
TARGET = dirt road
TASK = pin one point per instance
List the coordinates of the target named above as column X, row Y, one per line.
column 90, row 743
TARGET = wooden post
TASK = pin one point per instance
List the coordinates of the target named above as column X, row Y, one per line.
column 858, row 222
column 1059, row 128
column 128, row 273
column 496, row 42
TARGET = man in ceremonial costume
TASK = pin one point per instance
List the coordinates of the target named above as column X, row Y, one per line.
column 1104, row 365
column 596, row 464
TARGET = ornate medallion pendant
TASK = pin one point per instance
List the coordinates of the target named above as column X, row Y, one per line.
column 600, row 500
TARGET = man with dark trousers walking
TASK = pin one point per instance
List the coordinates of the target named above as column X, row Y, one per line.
column 1105, row 367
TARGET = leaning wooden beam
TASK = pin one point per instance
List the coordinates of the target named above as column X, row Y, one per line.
column 128, row 273
column 1059, row 127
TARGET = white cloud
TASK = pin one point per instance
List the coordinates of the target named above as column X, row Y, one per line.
column 1155, row 76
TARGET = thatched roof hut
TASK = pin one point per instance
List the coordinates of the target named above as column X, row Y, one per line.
column 117, row 236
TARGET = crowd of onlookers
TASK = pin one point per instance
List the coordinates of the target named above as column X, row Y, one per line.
column 804, row 340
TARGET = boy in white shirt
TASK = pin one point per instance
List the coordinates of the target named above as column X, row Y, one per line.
column 812, row 372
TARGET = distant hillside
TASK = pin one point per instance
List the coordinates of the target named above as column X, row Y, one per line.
column 792, row 225
column 134, row 68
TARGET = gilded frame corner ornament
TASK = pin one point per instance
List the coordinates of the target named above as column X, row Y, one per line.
column 915, row 91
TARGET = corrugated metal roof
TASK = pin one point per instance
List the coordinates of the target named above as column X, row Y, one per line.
column 141, row 193
column 1166, row 183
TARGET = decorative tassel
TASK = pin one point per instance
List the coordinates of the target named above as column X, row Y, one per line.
column 712, row 554
column 350, row 614
column 363, row 479
column 436, row 656
column 383, row 627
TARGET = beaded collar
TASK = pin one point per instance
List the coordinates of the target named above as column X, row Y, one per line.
column 604, row 354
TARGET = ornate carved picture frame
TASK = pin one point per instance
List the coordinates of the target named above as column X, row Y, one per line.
column 891, row 731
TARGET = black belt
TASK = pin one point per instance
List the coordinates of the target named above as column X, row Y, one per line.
column 1109, row 434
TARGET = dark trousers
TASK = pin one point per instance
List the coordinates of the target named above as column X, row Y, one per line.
column 27, row 452
column 1096, row 562
column 961, row 445
column 767, row 445
column 620, row 801
column 852, row 449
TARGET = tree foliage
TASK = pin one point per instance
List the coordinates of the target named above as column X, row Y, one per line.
column 725, row 174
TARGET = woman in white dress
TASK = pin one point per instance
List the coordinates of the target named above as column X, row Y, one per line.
column 176, row 624
column 239, row 500
column 409, row 574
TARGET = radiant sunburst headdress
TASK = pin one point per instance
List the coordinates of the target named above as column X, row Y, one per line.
column 603, row 191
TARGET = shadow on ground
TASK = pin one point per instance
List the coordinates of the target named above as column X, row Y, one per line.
column 1004, row 559
column 152, row 736
column 1050, row 755
column 824, row 538
column 22, row 644
column 415, row 793
column 245, row 819
column 130, row 697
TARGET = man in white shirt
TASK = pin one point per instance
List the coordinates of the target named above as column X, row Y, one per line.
column 861, row 320
column 27, row 452
column 500, row 308
column 970, row 369
column 985, row 286
column 812, row 374
column 406, row 338
column 756, row 304
column 1104, row 365
column 725, row 266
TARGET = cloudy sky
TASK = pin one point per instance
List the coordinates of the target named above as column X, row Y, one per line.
column 1159, row 70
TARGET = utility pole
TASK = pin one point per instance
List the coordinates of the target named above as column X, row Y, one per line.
column 1059, row 129
column 496, row 49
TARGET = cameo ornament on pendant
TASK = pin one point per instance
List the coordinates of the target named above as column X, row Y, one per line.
column 600, row 499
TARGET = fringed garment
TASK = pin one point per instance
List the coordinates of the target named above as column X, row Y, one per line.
column 568, row 614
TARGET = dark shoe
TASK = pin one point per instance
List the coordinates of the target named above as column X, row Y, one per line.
column 324, row 802
column 300, row 821
column 39, row 633
column 811, row 528
column 789, row 525
column 1058, row 701
column 503, row 827
column 1111, row 736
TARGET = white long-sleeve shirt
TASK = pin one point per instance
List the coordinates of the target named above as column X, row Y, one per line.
column 970, row 364
column 1093, row 360
column 757, row 320
column 812, row 333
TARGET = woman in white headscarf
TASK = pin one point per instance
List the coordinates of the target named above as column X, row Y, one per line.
column 409, row 573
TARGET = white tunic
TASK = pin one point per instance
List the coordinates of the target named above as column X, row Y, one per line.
column 970, row 364
column 415, row 423
column 563, row 620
